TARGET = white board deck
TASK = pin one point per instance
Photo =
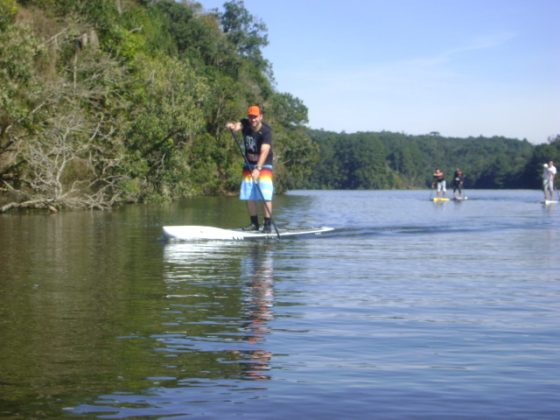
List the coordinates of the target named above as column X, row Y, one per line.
column 547, row 202
column 198, row 233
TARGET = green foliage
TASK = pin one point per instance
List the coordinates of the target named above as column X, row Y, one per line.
column 149, row 87
column 246, row 33
column 8, row 10
column 393, row 160
column 347, row 161
column 298, row 154
column 22, row 102
column 288, row 110
column 183, row 27
column 19, row 48
column 167, row 114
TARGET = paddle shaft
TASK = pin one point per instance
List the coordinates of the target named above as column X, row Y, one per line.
column 248, row 164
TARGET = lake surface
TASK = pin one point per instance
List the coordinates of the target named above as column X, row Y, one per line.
column 409, row 309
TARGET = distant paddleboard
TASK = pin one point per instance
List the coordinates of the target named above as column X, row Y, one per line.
column 547, row 202
column 460, row 198
column 440, row 199
column 198, row 233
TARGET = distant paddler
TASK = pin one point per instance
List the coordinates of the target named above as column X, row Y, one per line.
column 549, row 172
column 439, row 183
column 458, row 182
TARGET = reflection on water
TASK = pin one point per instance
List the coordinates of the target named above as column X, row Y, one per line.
column 219, row 303
column 208, row 264
column 257, row 267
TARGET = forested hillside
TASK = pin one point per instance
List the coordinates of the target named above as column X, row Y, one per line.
column 110, row 101
column 104, row 102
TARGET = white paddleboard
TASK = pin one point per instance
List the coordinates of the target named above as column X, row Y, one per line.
column 197, row 233
column 547, row 202
column 460, row 198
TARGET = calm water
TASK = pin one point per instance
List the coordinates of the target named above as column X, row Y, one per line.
column 408, row 310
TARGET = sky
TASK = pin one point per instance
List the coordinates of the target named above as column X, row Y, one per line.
column 457, row 67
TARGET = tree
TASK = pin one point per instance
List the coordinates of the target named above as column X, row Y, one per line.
column 166, row 118
column 8, row 10
column 21, row 99
column 288, row 110
column 246, row 33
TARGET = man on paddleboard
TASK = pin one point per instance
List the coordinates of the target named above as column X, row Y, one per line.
column 458, row 180
column 439, row 182
column 257, row 181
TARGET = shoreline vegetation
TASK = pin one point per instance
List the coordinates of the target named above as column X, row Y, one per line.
column 125, row 101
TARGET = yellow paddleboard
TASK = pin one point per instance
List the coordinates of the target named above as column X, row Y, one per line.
column 440, row 199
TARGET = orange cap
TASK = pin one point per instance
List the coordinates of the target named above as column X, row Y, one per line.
column 253, row 111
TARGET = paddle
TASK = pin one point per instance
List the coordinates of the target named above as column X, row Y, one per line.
column 256, row 183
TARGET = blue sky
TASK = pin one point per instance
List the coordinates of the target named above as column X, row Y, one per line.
column 459, row 67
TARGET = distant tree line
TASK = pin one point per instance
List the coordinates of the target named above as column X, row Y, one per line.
column 386, row 160
column 105, row 102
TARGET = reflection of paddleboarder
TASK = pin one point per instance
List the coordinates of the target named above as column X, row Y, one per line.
column 258, row 267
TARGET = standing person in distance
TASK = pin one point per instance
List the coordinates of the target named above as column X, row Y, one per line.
column 439, row 182
column 458, row 181
column 257, row 170
column 545, row 181
column 549, row 174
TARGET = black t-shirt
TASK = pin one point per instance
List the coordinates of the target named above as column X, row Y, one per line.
column 254, row 141
column 458, row 177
